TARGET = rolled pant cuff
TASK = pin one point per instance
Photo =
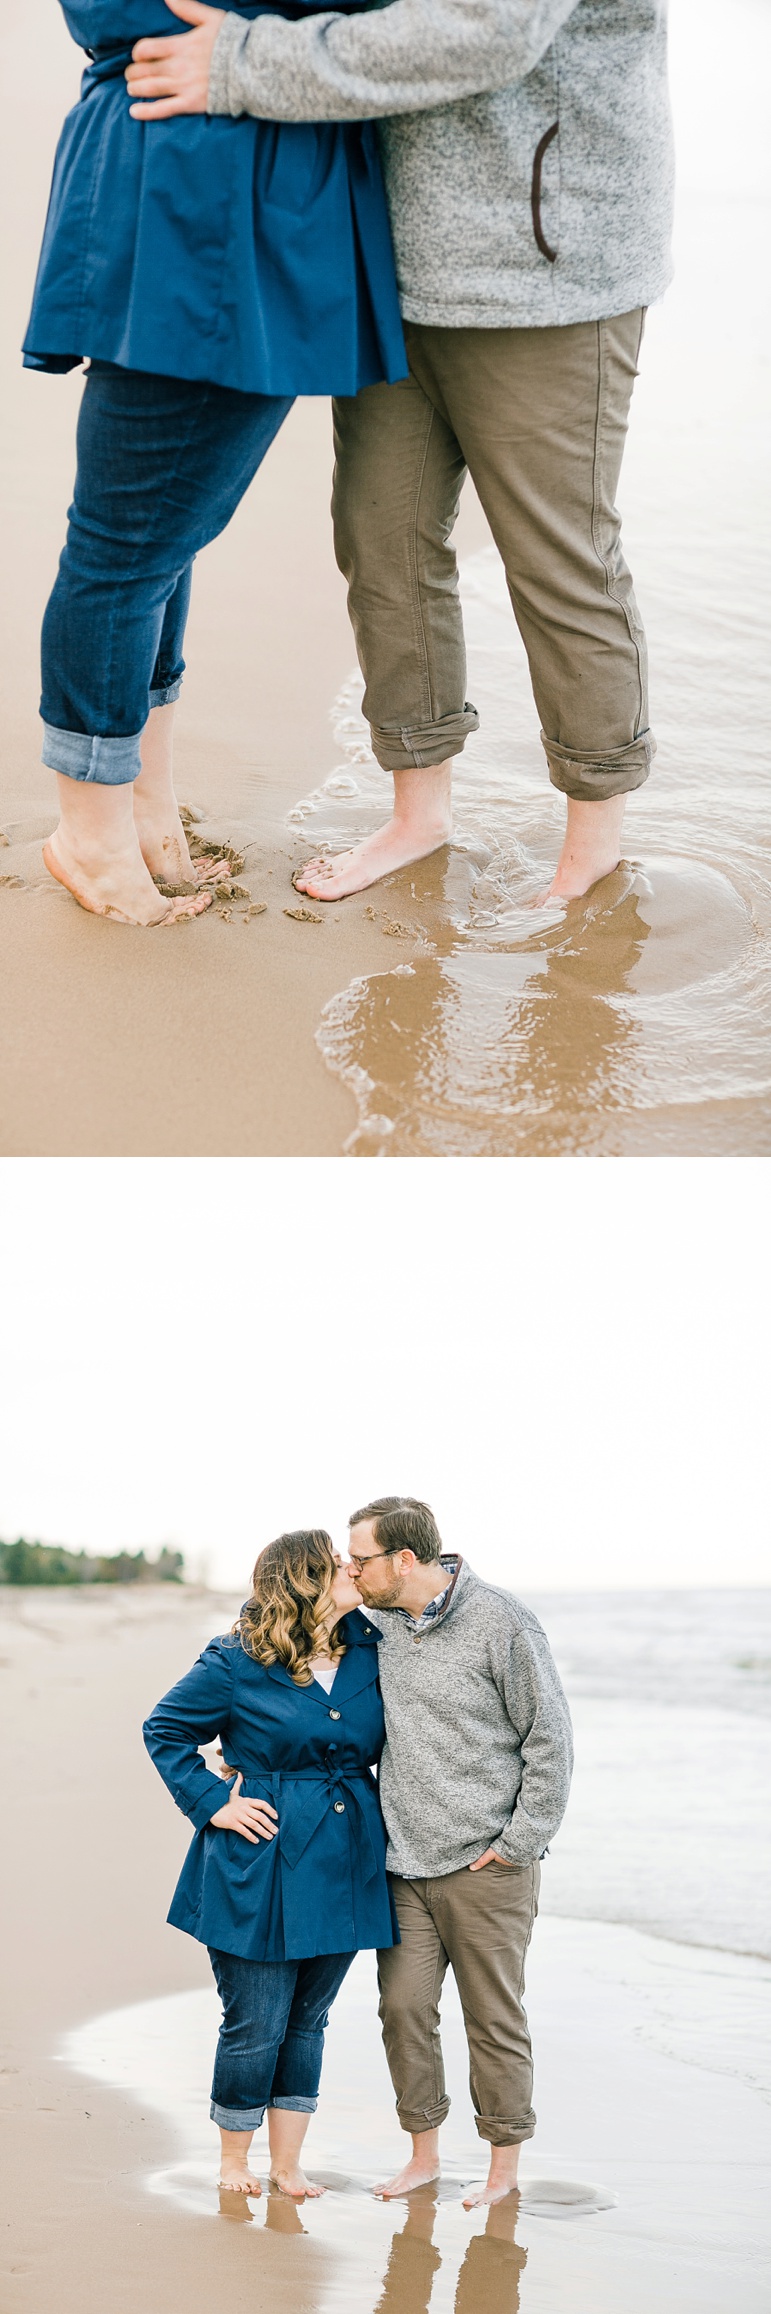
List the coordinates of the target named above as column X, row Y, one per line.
column 415, row 2124
column 292, row 2104
column 231, row 2117
column 593, row 778
column 105, row 762
column 505, row 2132
column 416, row 747
column 166, row 694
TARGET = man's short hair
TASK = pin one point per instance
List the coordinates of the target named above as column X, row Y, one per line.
column 402, row 1524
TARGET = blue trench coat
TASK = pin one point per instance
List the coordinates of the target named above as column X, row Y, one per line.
column 320, row 1886
column 252, row 254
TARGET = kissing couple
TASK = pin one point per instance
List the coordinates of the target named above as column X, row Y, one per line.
column 451, row 218
column 398, row 1749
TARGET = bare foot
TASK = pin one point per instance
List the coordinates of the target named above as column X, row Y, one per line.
column 502, row 2180
column 292, row 2180
column 237, row 2176
column 591, row 850
column 414, row 2173
column 166, row 851
column 481, row 2196
column 379, row 855
column 421, row 823
column 120, row 888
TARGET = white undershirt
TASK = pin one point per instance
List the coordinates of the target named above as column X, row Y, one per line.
column 326, row 1673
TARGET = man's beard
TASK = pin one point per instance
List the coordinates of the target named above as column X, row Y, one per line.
column 383, row 1598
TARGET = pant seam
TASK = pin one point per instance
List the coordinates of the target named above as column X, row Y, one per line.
column 610, row 588
column 417, row 602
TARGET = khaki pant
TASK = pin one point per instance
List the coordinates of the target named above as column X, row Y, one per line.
column 538, row 417
column 480, row 1923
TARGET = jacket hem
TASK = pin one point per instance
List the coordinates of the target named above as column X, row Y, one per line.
column 533, row 312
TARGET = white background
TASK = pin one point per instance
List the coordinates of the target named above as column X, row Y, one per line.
column 569, row 1363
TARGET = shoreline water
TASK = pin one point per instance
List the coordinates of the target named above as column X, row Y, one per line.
column 429, row 1017
column 645, row 2050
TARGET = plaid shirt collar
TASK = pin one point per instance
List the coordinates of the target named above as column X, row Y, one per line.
column 434, row 1607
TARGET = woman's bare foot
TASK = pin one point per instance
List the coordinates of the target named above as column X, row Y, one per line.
column 236, row 2174
column 421, row 823
column 119, row 885
column 591, row 849
column 422, row 2168
column 162, row 837
column 292, row 2181
column 502, row 2180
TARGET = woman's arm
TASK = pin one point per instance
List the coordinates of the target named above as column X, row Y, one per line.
column 193, row 1713
column 407, row 57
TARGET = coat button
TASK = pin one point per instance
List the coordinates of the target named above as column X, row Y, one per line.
column 339, row 1807
column 334, row 1715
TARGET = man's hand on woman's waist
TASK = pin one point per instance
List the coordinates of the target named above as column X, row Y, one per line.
column 172, row 75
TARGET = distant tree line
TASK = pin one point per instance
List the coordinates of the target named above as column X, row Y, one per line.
column 23, row 1562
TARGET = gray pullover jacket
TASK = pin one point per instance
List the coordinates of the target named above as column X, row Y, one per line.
column 478, row 1741
column 528, row 152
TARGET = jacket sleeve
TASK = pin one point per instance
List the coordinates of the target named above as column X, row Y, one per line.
column 537, row 1707
column 193, row 1713
column 402, row 58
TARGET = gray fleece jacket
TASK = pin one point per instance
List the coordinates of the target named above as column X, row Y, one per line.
column 478, row 1748
column 526, row 144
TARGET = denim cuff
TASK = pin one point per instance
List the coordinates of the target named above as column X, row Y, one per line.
column 166, row 693
column 293, row 2104
column 249, row 2117
column 107, row 762
column 414, row 747
column 593, row 778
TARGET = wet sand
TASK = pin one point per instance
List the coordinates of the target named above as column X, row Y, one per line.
column 645, row 2182
column 452, row 1022
column 198, row 1040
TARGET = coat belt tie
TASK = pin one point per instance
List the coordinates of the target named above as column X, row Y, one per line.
column 324, row 1786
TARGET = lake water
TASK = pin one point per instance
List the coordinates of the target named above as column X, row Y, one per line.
column 638, row 1022
column 649, row 1998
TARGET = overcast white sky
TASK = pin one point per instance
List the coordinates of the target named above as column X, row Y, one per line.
column 568, row 1361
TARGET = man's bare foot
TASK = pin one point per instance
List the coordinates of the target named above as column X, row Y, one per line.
column 421, row 824
column 291, row 2180
column 415, row 2172
column 591, row 849
column 367, row 863
column 236, row 2174
column 118, row 885
column 502, row 2179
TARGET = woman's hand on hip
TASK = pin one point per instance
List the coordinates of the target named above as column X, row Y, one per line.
column 255, row 1819
column 172, row 75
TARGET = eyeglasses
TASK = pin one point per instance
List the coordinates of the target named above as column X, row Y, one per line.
column 359, row 1563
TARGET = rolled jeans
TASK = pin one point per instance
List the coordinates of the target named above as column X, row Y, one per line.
column 271, row 2040
column 162, row 465
column 538, row 417
column 479, row 1924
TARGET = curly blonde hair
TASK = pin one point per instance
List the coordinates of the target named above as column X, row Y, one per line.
column 282, row 1622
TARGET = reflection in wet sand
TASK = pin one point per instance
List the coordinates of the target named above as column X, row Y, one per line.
column 646, row 2067
column 638, row 1022
column 489, row 2276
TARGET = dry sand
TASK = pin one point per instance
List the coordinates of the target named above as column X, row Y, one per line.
column 198, row 1041
column 110, row 2199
